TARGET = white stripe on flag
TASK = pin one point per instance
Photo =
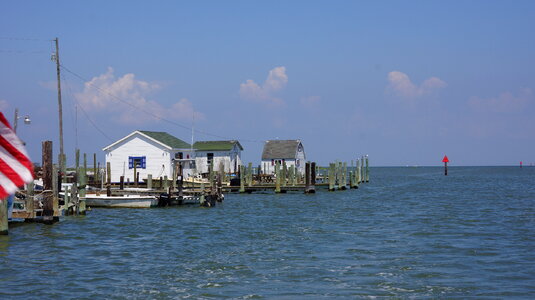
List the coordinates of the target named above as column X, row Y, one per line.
column 21, row 170
column 7, row 184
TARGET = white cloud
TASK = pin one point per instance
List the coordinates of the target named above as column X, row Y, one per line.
column 4, row 105
column 276, row 81
column 401, row 85
column 127, row 97
column 506, row 102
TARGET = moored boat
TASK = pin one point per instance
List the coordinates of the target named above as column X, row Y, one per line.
column 126, row 201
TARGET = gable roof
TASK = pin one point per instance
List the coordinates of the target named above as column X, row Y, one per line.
column 216, row 145
column 167, row 139
column 162, row 138
column 278, row 149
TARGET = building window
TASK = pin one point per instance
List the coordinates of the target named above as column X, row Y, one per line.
column 139, row 161
column 179, row 155
column 210, row 157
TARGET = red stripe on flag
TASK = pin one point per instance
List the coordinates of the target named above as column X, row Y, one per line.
column 4, row 120
column 23, row 159
column 3, row 194
column 11, row 174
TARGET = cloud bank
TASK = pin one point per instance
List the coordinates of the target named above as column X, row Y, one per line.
column 400, row 85
column 506, row 102
column 276, row 81
column 126, row 97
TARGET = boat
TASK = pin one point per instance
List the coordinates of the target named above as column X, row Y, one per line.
column 126, row 201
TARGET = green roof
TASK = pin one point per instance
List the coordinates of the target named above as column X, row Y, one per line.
column 167, row 139
column 216, row 145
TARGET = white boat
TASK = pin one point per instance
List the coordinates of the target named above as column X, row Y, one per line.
column 126, row 201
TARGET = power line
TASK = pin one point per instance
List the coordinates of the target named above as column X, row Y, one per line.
column 22, row 39
column 84, row 112
column 22, row 51
column 86, row 81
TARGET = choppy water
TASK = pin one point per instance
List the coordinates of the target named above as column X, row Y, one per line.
column 410, row 232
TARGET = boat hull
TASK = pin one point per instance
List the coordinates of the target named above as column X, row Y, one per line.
column 128, row 201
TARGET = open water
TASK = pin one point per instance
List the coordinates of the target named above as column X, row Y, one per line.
column 409, row 233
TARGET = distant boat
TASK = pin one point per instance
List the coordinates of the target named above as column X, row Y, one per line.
column 126, row 201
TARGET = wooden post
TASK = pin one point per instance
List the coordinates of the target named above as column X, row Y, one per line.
column 74, row 199
column 344, row 176
column 121, row 182
column 277, row 177
column 313, row 174
column 331, row 177
column 108, row 173
column 363, row 169
column 83, row 178
column 250, row 175
column 202, row 199
column 29, row 200
column 95, row 177
column 242, row 183
column 222, row 172
column 284, row 173
column 48, row 195
column 4, row 224
column 367, row 170
column 55, row 192
column 291, row 173
column 149, row 181
column 165, row 183
column 307, row 176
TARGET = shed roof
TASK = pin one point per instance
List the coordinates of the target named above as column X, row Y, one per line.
column 167, row 139
column 278, row 149
column 216, row 145
column 163, row 138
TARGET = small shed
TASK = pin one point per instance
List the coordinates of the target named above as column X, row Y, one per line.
column 151, row 152
column 290, row 152
column 226, row 152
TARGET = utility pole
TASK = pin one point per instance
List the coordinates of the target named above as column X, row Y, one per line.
column 16, row 119
column 60, row 110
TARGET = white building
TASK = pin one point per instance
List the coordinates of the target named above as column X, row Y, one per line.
column 226, row 152
column 290, row 151
column 151, row 152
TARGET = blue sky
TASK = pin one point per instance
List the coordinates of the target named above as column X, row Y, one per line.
column 405, row 82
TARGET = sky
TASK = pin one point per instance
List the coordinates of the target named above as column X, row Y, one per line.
column 405, row 82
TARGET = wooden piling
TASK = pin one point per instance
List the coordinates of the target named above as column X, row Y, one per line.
column 30, row 200
column 291, row 174
column 284, row 174
column 165, row 183
column 307, row 176
column 48, row 195
column 277, row 177
column 95, row 177
column 149, row 181
column 4, row 225
column 242, row 179
column 343, row 176
column 250, row 175
column 331, row 177
column 367, row 170
column 108, row 179
column 121, row 182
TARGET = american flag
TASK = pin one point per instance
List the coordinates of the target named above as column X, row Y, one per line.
column 15, row 166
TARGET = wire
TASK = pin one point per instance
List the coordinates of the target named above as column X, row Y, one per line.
column 84, row 112
column 87, row 82
column 22, row 51
column 22, row 39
